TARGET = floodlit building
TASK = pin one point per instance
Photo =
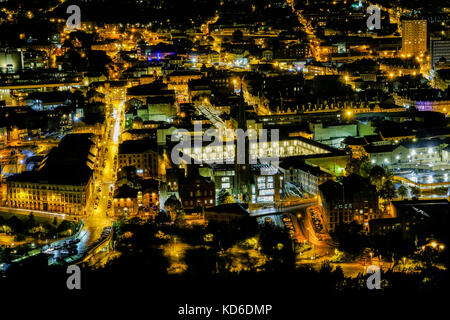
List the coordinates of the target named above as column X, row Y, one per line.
column 63, row 181
column 414, row 37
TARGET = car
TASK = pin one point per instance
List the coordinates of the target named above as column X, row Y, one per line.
column 49, row 250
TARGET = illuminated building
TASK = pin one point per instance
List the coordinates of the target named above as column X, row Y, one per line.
column 414, row 37
column 267, row 184
column 63, row 181
column 132, row 201
column 293, row 146
column 439, row 48
column 141, row 154
column 333, row 134
column 306, row 177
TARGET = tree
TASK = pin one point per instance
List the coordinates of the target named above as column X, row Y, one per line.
column 353, row 166
column 162, row 217
column 360, row 166
column 172, row 206
column 402, row 191
column 180, row 218
column 277, row 245
column 31, row 222
column 225, row 197
column 377, row 176
column 351, row 238
column 16, row 224
column 226, row 235
column 415, row 191
column 391, row 246
column 365, row 167
column 237, row 36
column 388, row 191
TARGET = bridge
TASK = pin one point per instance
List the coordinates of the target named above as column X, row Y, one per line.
column 422, row 186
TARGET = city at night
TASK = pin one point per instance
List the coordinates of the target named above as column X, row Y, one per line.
column 225, row 159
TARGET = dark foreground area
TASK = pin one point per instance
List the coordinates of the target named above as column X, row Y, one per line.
column 291, row 294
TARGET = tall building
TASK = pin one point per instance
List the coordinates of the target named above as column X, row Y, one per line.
column 414, row 37
column 439, row 48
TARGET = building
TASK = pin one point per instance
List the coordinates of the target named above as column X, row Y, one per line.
column 415, row 220
column 414, row 37
column 306, row 177
column 355, row 199
column 160, row 108
column 267, row 183
column 131, row 201
column 439, row 48
column 333, row 135
column 196, row 191
column 134, row 195
column 11, row 60
column 63, row 182
column 386, row 155
column 418, row 152
column 141, row 154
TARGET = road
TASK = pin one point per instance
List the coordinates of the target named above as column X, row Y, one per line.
column 314, row 41
column 301, row 219
column 97, row 208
